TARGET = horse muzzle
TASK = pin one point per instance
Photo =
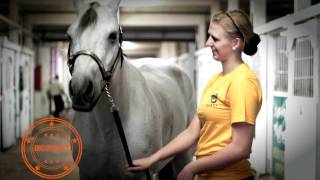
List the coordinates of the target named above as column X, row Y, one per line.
column 82, row 95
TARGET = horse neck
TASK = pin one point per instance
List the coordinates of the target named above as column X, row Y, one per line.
column 126, row 82
column 121, row 89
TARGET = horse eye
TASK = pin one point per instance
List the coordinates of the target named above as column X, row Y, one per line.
column 113, row 36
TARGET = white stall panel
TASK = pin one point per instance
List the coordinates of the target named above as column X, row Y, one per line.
column 8, row 115
column 277, row 75
column 16, row 76
column 0, row 101
column 300, row 137
column 302, row 112
column 25, row 94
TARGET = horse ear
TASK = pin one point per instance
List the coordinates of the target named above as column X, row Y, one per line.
column 80, row 6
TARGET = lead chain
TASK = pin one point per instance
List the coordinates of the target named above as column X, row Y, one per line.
column 110, row 98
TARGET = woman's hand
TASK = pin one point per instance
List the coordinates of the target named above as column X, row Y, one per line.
column 142, row 164
column 180, row 143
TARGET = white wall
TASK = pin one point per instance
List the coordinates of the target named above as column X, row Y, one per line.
column 17, row 103
column 41, row 100
column 301, row 147
column 46, row 53
column 301, row 116
column 258, row 64
column 9, row 124
column 168, row 50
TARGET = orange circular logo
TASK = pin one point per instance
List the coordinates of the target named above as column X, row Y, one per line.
column 47, row 147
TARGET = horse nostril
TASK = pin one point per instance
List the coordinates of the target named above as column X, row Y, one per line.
column 70, row 89
column 89, row 88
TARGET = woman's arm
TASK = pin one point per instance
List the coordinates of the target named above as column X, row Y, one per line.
column 180, row 143
column 238, row 149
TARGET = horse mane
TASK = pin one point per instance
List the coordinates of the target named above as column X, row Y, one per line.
column 89, row 17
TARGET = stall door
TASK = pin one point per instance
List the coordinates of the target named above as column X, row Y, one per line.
column 0, row 102
column 301, row 113
column 8, row 114
column 25, row 94
column 277, row 94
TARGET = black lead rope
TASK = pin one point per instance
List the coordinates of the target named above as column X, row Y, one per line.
column 115, row 113
column 124, row 141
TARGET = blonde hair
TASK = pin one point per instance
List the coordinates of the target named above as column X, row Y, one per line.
column 237, row 24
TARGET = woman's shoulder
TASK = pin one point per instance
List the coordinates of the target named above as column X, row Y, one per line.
column 245, row 73
column 245, row 78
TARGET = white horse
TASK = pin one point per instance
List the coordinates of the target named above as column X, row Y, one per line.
column 156, row 100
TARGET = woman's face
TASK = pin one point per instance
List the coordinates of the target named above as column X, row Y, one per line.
column 219, row 42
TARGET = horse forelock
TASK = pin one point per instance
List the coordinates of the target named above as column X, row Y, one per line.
column 89, row 18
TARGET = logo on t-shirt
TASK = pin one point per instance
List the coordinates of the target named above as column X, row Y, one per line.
column 214, row 98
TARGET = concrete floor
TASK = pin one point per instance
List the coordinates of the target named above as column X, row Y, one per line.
column 13, row 167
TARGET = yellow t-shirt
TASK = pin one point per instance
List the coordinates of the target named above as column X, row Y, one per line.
column 235, row 97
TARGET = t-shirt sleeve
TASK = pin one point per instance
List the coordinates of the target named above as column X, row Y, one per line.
column 245, row 99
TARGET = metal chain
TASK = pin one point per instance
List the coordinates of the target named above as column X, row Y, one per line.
column 110, row 98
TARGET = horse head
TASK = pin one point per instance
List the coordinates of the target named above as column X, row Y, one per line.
column 94, row 50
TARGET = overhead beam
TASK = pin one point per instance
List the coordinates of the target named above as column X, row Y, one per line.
column 124, row 3
column 131, row 35
column 41, row 2
column 146, row 3
column 159, row 36
column 61, row 19
column 161, row 19
column 198, row 21
column 132, row 19
column 126, row 19
column 15, row 25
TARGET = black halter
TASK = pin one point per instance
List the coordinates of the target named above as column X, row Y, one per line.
column 106, row 75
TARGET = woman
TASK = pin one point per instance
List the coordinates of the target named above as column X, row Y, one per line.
column 224, row 123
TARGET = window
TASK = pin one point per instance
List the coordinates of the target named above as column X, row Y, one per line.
column 303, row 67
column 281, row 65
